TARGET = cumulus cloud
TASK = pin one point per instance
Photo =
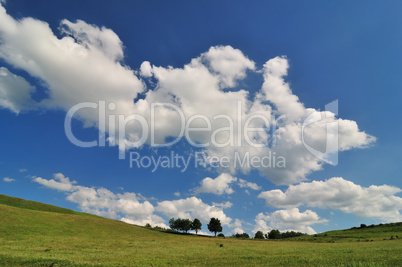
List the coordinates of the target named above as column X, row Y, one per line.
column 237, row 227
column 133, row 208
column 288, row 220
column 244, row 184
column 337, row 193
column 81, row 66
column 218, row 186
column 192, row 208
column 15, row 92
column 60, row 182
column 8, row 179
column 225, row 205
column 128, row 207
column 85, row 66
column 229, row 63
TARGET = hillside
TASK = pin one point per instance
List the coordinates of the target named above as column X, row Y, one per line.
column 36, row 234
column 371, row 233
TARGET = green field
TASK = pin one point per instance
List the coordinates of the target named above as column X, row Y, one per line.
column 36, row 234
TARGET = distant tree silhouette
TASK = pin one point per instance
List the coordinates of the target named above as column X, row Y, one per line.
column 215, row 226
column 179, row 224
column 274, row 234
column 184, row 225
column 243, row 235
column 196, row 225
column 259, row 235
column 173, row 224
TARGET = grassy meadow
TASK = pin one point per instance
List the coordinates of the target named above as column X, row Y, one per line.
column 36, row 234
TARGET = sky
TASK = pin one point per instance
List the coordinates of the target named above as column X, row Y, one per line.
column 267, row 115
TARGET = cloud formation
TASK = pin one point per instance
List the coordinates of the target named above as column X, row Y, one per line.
column 337, row 193
column 15, row 92
column 133, row 208
column 244, row 184
column 288, row 220
column 192, row 208
column 218, row 186
column 128, row 207
column 84, row 65
column 8, row 179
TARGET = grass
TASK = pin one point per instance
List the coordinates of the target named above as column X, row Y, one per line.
column 36, row 234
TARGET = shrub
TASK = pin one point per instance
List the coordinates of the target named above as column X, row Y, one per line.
column 259, row 235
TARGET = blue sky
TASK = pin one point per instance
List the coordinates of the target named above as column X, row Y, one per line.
column 277, row 58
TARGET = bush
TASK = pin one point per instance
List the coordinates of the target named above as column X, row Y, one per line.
column 274, row 234
column 221, row 235
column 259, row 235
column 243, row 235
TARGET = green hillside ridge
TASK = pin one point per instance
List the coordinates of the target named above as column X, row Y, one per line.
column 33, row 205
column 37, row 234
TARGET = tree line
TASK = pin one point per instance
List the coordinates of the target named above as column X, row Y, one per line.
column 185, row 225
column 276, row 234
column 215, row 226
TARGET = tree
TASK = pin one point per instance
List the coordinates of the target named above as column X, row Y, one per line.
column 259, row 235
column 173, row 224
column 196, row 225
column 274, row 234
column 184, row 225
column 180, row 224
column 243, row 235
column 215, row 226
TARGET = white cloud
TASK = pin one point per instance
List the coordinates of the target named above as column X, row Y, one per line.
column 22, row 170
column 177, row 194
column 218, row 186
column 338, row 193
column 8, row 179
column 237, row 227
column 153, row 220
column 192, row 208
column 288, row 220
column 229, row 63
column 146, row 69
column 244, row 184
column 15, row 92
column 82, row 66
column 90, row 36
column 100, row 201
column 60, row 182
column 131, row 207
column 85, row 65
column 225, row 205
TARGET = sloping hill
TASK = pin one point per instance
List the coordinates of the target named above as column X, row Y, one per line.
column 36, row 234
column 370, row 233
column 33, row 205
